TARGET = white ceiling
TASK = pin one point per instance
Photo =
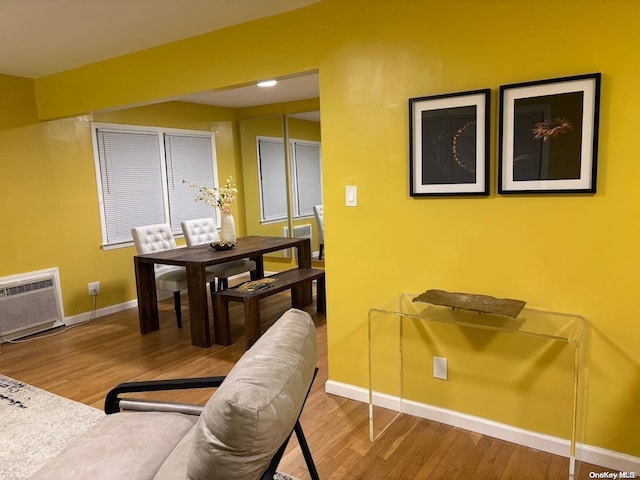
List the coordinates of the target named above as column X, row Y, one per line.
column 287, row 89
column 42, row 37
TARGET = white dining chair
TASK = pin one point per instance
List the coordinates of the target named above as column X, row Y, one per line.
column 169, row 278
column 203, row 230
column 318, row 211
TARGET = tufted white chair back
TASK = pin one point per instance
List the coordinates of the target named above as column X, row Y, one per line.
column 318, row 211
column 199, row 231
column 153, row 238
column 156, row 238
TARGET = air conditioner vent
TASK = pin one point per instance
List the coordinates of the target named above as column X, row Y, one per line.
column 25, row 288
column 299, row 231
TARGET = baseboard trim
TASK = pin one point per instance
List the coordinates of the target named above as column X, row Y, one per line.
column 100, row 312
column 620, row 462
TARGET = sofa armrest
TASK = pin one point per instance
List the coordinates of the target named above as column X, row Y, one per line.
column 112, row 400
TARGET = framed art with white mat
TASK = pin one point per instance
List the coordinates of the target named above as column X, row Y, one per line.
column 549, row 135
column 449, row 144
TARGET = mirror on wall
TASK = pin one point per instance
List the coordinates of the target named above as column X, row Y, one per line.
column 282, row 185
column 279, row 197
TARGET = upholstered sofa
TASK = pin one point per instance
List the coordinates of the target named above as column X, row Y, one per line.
column 239, row 434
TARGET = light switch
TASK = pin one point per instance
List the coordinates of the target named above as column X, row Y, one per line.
column 352, row 195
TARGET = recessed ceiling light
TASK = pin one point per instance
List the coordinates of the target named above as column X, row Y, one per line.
column 267, row 83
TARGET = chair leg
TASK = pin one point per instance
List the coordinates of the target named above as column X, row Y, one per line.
column 212, row 291
column 304, row 446
column 178, row 306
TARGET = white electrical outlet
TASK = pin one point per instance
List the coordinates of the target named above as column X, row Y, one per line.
column 440, row 368
column 94, row 288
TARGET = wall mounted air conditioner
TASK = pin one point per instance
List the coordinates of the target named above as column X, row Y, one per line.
column 30, row 303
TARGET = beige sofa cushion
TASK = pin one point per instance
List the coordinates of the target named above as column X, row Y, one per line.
column 254, row 410
column 175, row 467
column 120, row 446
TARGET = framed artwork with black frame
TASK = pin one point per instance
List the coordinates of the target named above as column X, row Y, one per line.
column 549, row 135
column 449, row 144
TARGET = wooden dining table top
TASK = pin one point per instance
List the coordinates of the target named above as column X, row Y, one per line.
column 245, row 247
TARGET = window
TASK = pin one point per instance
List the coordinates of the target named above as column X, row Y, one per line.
column 306, row 178
column 139, row 174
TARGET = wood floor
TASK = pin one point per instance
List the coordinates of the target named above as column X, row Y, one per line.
column 84, row 362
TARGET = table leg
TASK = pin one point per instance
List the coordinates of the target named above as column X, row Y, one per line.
column 147, row 297
column 252, row 320
column 259, row 271
column 198, row 305
column 304, row 254
column 321, row 295
column 222, row 329
column 304, row 261
column 298, row 295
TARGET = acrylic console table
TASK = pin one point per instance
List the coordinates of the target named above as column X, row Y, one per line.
column 390, row 336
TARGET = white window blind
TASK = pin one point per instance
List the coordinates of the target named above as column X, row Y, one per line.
column 273, row 181
column 140, row 172
column 306, row 176
column 131, row 179
column 188, row 158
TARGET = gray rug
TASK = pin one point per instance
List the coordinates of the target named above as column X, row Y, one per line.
column 283, row 476
column 36, row 425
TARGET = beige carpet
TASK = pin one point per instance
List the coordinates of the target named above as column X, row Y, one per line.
column 36, row 425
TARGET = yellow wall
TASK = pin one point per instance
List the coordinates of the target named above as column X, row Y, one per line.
column 187, row 66
column 575, row 253
column 17, row 102
column 48, row 178
column 568, row 253
column 48, row 187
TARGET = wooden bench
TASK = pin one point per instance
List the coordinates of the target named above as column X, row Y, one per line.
column 294, row 280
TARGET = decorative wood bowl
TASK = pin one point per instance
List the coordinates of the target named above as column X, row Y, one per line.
column 220, row 246
column 473, row 302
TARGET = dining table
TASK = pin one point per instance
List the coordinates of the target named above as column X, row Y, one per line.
column 195, row 260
